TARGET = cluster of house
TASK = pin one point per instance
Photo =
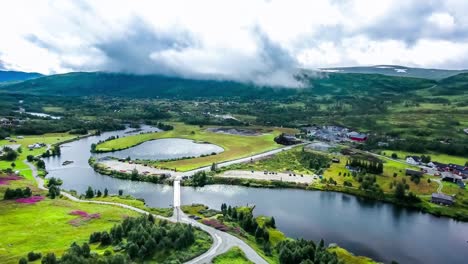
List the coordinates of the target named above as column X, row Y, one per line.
column 36, row 146
column 447, row 172
column 5, row 122
column 334, row 134
column 450, row 170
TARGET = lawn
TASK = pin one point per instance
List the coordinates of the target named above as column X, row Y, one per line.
column 348, row 258
column 45, row 226
column 132, row 201
column 281, row 162
column 233, row 256
column 443, row 158
column 51, row 226
column 235, row 146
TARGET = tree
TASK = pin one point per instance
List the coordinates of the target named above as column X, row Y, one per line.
column 259, row 233
column 54, row 181
column 86, row 250
column 105, row 239
column 30, row 158
column 40, row 164
column 49, row 259
column 54, row 191
column 10, row 154
column 99, row 194
column 95, row 237
column 400, row 191
column 200, row 179
column 89, row 193
column 132, row 250
column 272, row 222
column 106, row 192
column 23, row 260
column 120, row 192
column 213, row 167
column 267, row 248
column 134, row 175
column 394, row 156
column 32, row 256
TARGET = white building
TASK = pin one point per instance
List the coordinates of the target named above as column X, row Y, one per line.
column 413, row 160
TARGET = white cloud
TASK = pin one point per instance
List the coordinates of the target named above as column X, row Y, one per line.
column 247, row 40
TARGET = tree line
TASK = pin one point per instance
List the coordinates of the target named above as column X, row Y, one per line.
column 375, row 167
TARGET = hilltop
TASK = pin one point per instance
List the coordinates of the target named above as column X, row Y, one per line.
column 396, row 70
column 126, row 85
column 9, row 76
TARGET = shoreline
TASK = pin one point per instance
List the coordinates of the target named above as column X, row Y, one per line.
column 424, row 206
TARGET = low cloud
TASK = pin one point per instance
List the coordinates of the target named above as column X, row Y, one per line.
column 255, row 41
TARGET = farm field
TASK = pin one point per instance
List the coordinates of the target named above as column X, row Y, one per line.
column 235, row 146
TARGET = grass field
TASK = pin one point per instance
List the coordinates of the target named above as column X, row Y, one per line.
column 44, row 226
column 348, row 258
column 132, row 201
column 233, row 256
column 281, row 162
column 235, row 146
column 443, row 158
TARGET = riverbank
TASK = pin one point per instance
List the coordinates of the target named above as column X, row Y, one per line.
column 269, row 243
column 297, row 182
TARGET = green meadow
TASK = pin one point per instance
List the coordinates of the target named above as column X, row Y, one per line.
column 235, row 146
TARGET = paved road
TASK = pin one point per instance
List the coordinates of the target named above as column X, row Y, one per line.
column 222, row 241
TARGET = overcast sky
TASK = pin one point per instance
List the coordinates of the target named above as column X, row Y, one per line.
column 260, row 41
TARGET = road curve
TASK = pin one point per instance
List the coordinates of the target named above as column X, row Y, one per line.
column 222, row 241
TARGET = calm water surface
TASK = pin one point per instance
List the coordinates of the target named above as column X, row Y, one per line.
column 168, row 148
column 382, row 231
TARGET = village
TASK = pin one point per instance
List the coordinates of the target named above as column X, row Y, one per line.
column 450, row 172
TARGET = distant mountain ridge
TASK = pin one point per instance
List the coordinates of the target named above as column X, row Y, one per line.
column 127, row 85
column 396, row 70
column 10, row 76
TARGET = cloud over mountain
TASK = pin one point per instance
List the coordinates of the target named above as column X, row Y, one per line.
column 263, row 42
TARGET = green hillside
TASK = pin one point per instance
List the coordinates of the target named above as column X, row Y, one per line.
column 113, row 84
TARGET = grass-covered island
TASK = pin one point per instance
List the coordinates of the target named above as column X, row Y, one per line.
column 235, row 146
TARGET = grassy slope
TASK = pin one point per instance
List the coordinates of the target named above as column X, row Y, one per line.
column 283, row 161
column 276, row 236
column 28, row 140
column 288, row 161
column 348, row 258
column 44, row 227
column 444, row 158
column 234, row 146
column 129, row 200
column 233, row 256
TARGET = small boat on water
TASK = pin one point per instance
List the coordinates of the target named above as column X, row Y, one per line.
column 67, row 162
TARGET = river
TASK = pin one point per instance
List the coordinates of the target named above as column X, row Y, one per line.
column 382, row 231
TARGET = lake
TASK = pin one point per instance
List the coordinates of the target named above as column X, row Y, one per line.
column 167, row 148
column 382, row 231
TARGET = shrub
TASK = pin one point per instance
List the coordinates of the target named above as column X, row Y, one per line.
column 32, row 256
